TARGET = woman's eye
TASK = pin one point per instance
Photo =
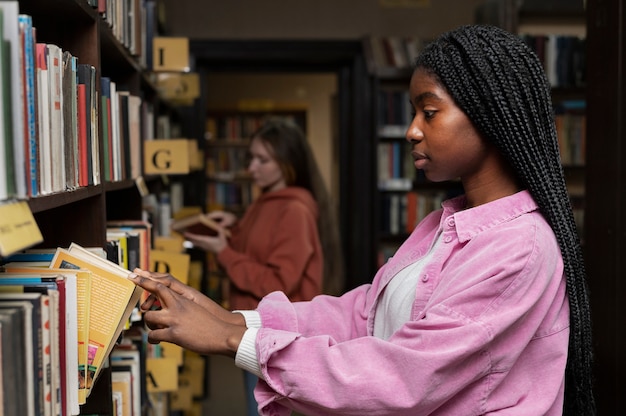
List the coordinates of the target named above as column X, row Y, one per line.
column 428, row 114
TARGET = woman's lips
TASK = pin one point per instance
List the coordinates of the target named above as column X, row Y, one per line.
column 420, row 159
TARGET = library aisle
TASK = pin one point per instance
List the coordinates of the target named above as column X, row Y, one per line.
column 226, row 395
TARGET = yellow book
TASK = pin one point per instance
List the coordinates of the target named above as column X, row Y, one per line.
column 112, row 300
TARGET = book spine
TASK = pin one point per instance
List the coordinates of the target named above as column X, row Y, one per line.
column 31, row 106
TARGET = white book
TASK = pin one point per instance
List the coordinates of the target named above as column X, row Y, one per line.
column 115, row 127
column 71, row 342
column 134, row 122
column 55, row 97
column 43, row 105
column 11, row 33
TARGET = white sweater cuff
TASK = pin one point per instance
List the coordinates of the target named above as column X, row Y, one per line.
column 253, row 318
column 246, row 357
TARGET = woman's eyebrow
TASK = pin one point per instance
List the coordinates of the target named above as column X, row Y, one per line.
column 428, row 94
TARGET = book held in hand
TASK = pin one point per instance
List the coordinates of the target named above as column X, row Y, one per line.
column 197, row 224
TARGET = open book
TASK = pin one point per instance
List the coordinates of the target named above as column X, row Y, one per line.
column 197, row 224
column 111, row 302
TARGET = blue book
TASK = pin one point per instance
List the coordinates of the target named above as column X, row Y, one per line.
column 26, row 25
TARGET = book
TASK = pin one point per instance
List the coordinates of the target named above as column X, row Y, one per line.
column 55, row 79
column 11, row 34
column 31, row 304
column 74, row 288
column 127, row 358
column 31, row 283
column 82, row 146
column 86, row 120
column 107, row 133
column 59, row 340
column 14, row 369
column 197, row 224
column 30, row 103
column 44, row 143
column 144, row 230
column 112, row 300
column 70, row 122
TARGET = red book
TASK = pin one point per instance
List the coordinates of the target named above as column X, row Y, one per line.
column 82, row 136
column 411, row 211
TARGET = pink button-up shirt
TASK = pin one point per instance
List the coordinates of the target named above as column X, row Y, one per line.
column 488, row 332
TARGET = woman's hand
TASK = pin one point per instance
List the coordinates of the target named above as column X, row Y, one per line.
column 225, row 219
column 184, row 322
column 189, row 293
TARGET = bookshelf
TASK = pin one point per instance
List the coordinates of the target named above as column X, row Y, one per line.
column 558, row 36
column 403, row 195
column 556, row 31
column 76, row 211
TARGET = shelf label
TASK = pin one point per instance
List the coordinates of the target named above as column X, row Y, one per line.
column 18, row 229
column 166, row 156
column 176, row 264
column 171, row 54
column 180, row 88
column 161, row 374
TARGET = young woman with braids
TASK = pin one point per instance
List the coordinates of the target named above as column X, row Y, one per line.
column 482, row 311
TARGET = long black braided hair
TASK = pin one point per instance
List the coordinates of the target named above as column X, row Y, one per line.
column 500, row 84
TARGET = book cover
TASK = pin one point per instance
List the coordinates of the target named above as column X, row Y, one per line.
column 113, row 298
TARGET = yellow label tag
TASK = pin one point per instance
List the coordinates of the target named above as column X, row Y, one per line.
column 18, row 228
column 161, row 374
column 176, row 264
column 170, row 54
column 169, row 156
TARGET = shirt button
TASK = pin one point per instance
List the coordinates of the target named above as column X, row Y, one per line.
column 425, row 278
column 450, row 222
column 447, row 239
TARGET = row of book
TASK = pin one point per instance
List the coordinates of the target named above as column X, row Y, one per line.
column 401, row 212
column 563, row 57
column 571, row 129
column 62, row 314
column 236, row 127
column 235, row 195
column 396, row 171
column 133, row 23
column 53, row 116
column 231, row 160
column 67, row 311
